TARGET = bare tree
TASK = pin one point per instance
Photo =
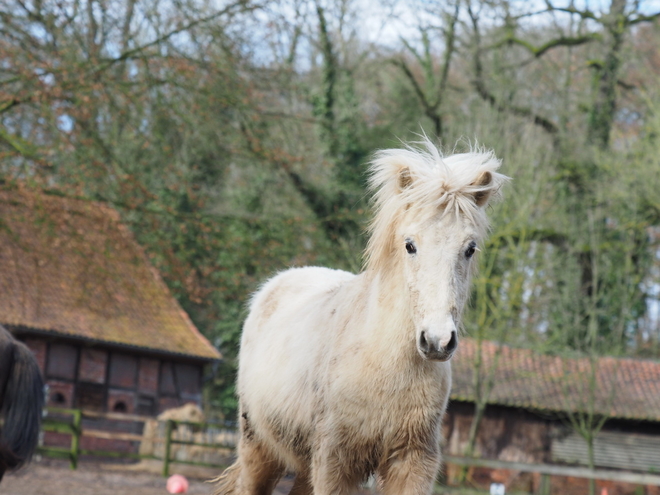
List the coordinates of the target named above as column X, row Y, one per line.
column 609, row 29
column 432, row 90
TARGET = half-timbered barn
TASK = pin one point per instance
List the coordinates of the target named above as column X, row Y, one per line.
column 537, row 410
column 80, row 292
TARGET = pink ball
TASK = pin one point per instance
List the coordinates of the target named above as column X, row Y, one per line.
column 177, row 484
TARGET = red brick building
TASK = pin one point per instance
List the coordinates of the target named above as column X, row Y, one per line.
column 528, row 416
column 79, row 291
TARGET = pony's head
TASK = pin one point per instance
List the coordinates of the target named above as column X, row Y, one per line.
column 429, row 223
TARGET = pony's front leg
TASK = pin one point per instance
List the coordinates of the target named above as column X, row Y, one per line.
column 302, row 485
column 330, row 474
column 255, row 472
column 410, row 472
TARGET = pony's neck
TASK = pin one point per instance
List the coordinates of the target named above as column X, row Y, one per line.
column 390, row 331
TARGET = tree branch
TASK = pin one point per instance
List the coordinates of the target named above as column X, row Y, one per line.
column 450, row 47
column 644, row 18
column 19, row 145
column 134, row 51
column 541, row 50
column 584, row 14
column 480, row 85
column 428, row 106
column 8, row 105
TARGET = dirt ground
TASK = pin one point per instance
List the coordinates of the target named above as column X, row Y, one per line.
column 54, row 477
column 50, row 477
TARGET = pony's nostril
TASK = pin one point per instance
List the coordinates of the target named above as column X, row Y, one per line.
column 452, row 344
column 423, row 343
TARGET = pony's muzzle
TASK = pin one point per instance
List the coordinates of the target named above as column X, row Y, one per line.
column 431, row 348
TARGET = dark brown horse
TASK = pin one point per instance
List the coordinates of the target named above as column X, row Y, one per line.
column 21, row 402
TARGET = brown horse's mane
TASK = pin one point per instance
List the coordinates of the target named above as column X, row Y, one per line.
column 21, row 402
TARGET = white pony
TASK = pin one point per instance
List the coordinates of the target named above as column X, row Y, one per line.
column 342, row 376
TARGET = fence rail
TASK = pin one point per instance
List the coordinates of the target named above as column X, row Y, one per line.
column 70, row 422
column 559, row 470
column 55, row 422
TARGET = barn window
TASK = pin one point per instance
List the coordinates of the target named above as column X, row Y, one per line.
column 62, row 361
column 121, row 401
column 123, row 370
column 60, row 394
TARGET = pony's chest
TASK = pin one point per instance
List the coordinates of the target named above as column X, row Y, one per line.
column 372, row 432
column 382, row 380
column 385, row 401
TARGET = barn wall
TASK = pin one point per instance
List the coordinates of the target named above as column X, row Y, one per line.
column 39, row 349
column 516, row 435
column 93, row 365
column 505, row 434
column 148, row 375
column 107, row 380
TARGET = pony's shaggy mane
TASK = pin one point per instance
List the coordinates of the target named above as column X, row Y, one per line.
column 422, row 178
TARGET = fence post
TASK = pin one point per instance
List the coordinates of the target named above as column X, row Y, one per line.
column 544, row 485
column 169, row 426
column 75, row 438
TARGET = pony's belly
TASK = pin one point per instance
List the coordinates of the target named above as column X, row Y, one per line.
column 282, row 418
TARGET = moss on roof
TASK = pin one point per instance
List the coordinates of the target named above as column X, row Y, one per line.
column 70, row 267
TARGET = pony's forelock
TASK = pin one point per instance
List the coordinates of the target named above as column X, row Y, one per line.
column 420, row 177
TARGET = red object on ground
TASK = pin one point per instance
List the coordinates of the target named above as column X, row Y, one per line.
column 177, row 484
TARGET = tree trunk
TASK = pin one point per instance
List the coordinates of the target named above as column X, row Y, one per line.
column 592, row 463
column 326, row 105
column 604, row 107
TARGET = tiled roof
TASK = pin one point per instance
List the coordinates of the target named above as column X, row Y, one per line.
column 622, row 388
column 69, row 267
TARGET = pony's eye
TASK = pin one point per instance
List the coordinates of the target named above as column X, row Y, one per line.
column 470, row 250
column 410, row 247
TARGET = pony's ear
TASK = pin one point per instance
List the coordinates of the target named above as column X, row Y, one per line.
column 484, row 191
column 404, row 179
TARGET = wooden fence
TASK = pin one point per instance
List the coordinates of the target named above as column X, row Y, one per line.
column 548, row 470
column 70, row 422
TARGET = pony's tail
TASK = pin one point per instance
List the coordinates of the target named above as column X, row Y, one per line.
column 227, row 482
column 21, row 408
